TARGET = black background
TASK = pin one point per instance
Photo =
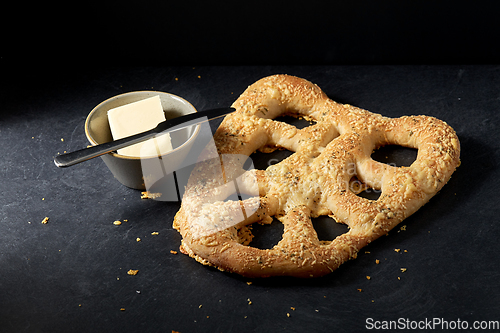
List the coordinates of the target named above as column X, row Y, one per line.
column 391, row 57
column 170, row 33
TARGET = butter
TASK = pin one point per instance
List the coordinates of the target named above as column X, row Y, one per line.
column 139, row 117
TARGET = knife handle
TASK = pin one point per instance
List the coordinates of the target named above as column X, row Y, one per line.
column 78, row 156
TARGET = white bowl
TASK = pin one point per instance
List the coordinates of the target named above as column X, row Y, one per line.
column 126, row 169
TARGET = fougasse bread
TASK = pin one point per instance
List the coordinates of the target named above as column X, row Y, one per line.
column 224, row 197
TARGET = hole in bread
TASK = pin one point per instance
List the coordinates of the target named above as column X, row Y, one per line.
column 263, row 160
column 362, row 190
column 266, row 236
column 395, row 155
column 370, row 194
column 297, row 120
column 327, row 228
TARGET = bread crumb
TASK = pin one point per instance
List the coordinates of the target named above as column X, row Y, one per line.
column 122, row 309
column 117, row 222
column 149, row 195
column 45, row 220
column 403, row 270
column 154, row 233
column 293, row 309
column 133, row 271
column 173, row 252
column 397, row 250
column 377, row 261
column 249, row 282
column 287, row 314
column 62, row 140
column 368, row 277
column 200, row 306
column 360, row 290
column 138, row 239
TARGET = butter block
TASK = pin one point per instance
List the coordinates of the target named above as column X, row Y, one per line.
column 139, row 117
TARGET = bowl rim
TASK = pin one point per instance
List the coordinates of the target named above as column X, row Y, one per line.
column 94, row 110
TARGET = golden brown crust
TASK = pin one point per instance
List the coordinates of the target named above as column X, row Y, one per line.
column 312, row 182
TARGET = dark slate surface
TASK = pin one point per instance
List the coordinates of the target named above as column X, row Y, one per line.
column 71, row 274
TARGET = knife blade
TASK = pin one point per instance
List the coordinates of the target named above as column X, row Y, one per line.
column 78, row 156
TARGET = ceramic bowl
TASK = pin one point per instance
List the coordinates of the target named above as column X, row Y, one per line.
column 126, row 169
